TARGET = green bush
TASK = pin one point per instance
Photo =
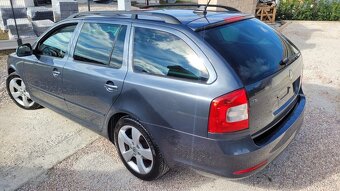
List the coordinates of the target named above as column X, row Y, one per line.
column 320, row 10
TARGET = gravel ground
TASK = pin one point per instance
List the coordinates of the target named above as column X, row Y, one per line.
column 311, row 162
column 4, row 98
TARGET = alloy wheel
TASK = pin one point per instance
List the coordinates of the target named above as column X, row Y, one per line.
column 135, row 150
column 18, row 91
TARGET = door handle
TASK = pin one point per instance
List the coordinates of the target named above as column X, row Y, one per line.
column 55, row 72
column 110, row 86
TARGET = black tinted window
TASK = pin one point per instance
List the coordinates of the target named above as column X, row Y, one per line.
column 56, row 44
column 161, row 53
column 96, row 42
column 251, row 47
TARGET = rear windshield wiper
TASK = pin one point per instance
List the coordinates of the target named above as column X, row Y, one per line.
column 288, row 60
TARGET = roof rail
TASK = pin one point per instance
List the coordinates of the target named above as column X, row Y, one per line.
column 134, row 15
column 190, row 5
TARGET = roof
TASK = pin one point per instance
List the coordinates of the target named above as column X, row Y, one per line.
column 191, row 18
column 196, row 20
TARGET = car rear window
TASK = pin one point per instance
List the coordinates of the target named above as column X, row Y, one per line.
column 251, row 47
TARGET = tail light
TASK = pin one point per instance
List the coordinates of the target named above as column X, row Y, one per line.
column 229, row 113
column 234, row 19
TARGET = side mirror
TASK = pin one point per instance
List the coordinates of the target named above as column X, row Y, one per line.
column 24, row 50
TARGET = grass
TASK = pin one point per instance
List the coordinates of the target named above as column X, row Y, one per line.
column 3, row 35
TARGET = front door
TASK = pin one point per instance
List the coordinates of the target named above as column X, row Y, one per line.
column 94, row 74
column 43, row 70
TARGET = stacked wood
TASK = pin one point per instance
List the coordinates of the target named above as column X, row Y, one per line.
column 266, row 12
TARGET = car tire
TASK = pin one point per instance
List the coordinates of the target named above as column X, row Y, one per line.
column 139, row 153
column 17, row 91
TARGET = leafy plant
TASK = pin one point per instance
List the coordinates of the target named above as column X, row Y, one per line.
column 322, row 10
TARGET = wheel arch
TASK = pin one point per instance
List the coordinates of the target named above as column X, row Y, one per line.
column 112, row 124
column 113, row 120
column 10, row 70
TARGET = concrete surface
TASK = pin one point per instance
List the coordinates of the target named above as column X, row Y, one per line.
column 311, row 161
column 64, row 8
column 24, row 26
column 6, row 13
column 40, row 26
column 12, row 44
column 33, row 141
column 39, row 13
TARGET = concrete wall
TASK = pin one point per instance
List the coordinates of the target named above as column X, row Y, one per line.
column 246, row 6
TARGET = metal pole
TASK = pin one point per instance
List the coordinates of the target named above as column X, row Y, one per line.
column 147, row 3
column 88, row 5
column 19, row 41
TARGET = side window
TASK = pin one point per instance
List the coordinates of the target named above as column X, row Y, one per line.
column 56, row 44
column 164, row 54
column 118, row 49
column 97, row 41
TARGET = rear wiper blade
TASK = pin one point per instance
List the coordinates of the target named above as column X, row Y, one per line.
column 288, row 60
column 284, row 61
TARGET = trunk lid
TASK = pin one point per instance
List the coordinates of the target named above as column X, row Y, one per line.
column 267, row 63
column 271, row 98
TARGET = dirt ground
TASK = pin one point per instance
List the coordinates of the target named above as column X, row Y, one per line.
column 3, row 75
column 311, row 161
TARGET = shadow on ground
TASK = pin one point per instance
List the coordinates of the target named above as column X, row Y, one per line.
column 98, row 167
column 312, row 158
column 299, row 35
column 314, row 155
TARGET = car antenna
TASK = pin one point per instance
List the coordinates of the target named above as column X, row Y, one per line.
column 205, row 8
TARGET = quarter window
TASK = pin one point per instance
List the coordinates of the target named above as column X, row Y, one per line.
column 97, row 41
column 161, row 53
column 56, row 44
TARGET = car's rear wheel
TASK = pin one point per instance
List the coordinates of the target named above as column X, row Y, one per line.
column 17, row 91
column 138, row 153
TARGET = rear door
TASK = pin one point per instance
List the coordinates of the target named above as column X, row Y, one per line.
column 266, row 62
column 169, row 83
column 94, row 74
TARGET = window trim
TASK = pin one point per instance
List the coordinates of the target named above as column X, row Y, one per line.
column 112, row 22
column 50, row 32
column 211, row 72
column 115, row 41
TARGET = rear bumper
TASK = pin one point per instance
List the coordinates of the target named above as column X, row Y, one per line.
column 279, row 139
column 226, row 156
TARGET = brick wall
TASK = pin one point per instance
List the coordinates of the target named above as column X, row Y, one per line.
column 246, row 6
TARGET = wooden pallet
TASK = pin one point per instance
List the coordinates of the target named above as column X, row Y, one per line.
column 265, row 12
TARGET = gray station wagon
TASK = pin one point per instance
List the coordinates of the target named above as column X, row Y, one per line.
column 219, row 91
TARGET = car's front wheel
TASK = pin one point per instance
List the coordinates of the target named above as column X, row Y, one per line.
column 17, row 91
column 138, row 153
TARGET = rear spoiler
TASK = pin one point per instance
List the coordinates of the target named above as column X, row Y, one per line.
column 225, row 21
column 190, row 5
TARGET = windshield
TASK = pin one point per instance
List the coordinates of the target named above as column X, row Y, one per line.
column 251, row 47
